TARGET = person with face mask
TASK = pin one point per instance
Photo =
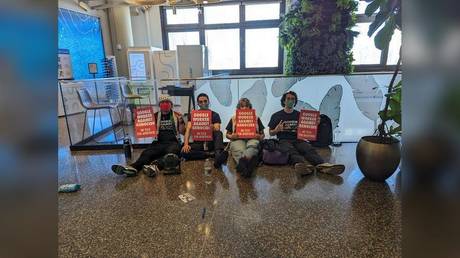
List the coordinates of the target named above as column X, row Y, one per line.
column 170, row 125
column 244, row 151
column 302, row 155
column 201, row 150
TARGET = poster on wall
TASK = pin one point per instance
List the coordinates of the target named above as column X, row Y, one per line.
column 246, row 123
column 64, row 65
column 144, row 123
column 201, row 125
column 308, row 125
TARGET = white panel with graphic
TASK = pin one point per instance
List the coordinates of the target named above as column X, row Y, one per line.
column 352, row 102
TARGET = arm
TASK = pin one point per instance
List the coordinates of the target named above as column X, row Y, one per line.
column 277, row 129
column 231, row 136
column 181, row 125
column 216, row 126
column 186, row 148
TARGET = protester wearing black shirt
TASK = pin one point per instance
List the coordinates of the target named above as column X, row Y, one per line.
column 170, row 124
column 302, row 155
column 200, row 150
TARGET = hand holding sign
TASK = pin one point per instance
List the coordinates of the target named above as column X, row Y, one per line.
column 308, row 125
column 246, row 124
column 201, row 125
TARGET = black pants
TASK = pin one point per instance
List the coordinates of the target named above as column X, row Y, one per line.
column 301, row 151
column 155, row 151
column 197, row 148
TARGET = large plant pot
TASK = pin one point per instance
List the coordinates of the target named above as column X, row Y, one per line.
column 378, row 159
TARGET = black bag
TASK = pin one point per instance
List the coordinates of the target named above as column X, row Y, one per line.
column 171, row 164
column 324, row 134
column 272, row 154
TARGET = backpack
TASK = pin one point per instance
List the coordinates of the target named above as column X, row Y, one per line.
column 324, row 134
column 271, row 153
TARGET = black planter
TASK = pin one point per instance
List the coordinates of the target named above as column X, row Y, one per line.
column 378, row 159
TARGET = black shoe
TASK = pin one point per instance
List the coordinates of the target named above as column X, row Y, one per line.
column 242, row 166
column 252, row 165
column 220, row 158
column 124, row 170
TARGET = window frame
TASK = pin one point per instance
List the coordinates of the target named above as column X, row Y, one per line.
column 242, row 25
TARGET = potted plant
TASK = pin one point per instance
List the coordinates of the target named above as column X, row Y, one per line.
column 379, row 155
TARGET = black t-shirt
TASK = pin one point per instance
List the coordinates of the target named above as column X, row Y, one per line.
column 290, row 121
column 229, row 127
column 215, row 118
column 166, row 128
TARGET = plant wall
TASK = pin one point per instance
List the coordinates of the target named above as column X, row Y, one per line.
column 318, row 38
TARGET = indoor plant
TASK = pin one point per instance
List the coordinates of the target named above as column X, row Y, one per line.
column 379, row 155
column 317, row 36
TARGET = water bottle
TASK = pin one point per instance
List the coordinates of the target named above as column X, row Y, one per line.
column 128, row 149
column 335, row 140
column 207, row 167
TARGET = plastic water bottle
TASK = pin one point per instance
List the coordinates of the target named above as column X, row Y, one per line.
column 207, row 167
column 128, row 149
column 207, row 172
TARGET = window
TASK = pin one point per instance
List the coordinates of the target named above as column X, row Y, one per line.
column 256, row 12
column 223, row 49
column 262, row 47
column 366, row 55
column 221, row 14
column 241, row 38
column 364, row 50
column 182, row 16
column 183, row 38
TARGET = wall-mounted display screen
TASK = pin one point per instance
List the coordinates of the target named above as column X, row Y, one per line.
column 81, row 35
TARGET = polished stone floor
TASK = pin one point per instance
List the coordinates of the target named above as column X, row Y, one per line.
column 273, row 214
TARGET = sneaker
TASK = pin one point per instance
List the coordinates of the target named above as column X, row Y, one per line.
column 124, row 170
column 332, row 169
column 151, row 170
column 220, row 158
column 303, row 169
column 242, row 166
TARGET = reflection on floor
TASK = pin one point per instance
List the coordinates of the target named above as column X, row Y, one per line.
column 273, row 214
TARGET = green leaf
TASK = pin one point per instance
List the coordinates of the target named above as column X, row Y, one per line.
column 380, row 19
column 372, row 7
column 383, row 37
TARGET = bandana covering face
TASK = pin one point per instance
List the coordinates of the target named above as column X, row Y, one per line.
column 165, row 106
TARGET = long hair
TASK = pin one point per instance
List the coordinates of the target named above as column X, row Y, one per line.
column 246, row 101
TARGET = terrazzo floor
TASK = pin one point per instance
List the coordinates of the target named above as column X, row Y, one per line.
column 273, row 214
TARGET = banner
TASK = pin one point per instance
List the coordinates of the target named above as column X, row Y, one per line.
column 308, row 125
column 201, row 125
column 144, row 123
column 246, row 123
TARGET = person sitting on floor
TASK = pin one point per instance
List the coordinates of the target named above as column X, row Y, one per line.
column 201, row 150
column 244, row 151
column 170, row 125
column 302, row 155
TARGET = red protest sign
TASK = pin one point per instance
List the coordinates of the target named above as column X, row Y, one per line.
column 308, row 125
column 246, row 123
column 201, row 125
column 144, row 123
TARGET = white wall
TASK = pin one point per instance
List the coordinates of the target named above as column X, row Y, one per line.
column 102, row 14
column 147, row 28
